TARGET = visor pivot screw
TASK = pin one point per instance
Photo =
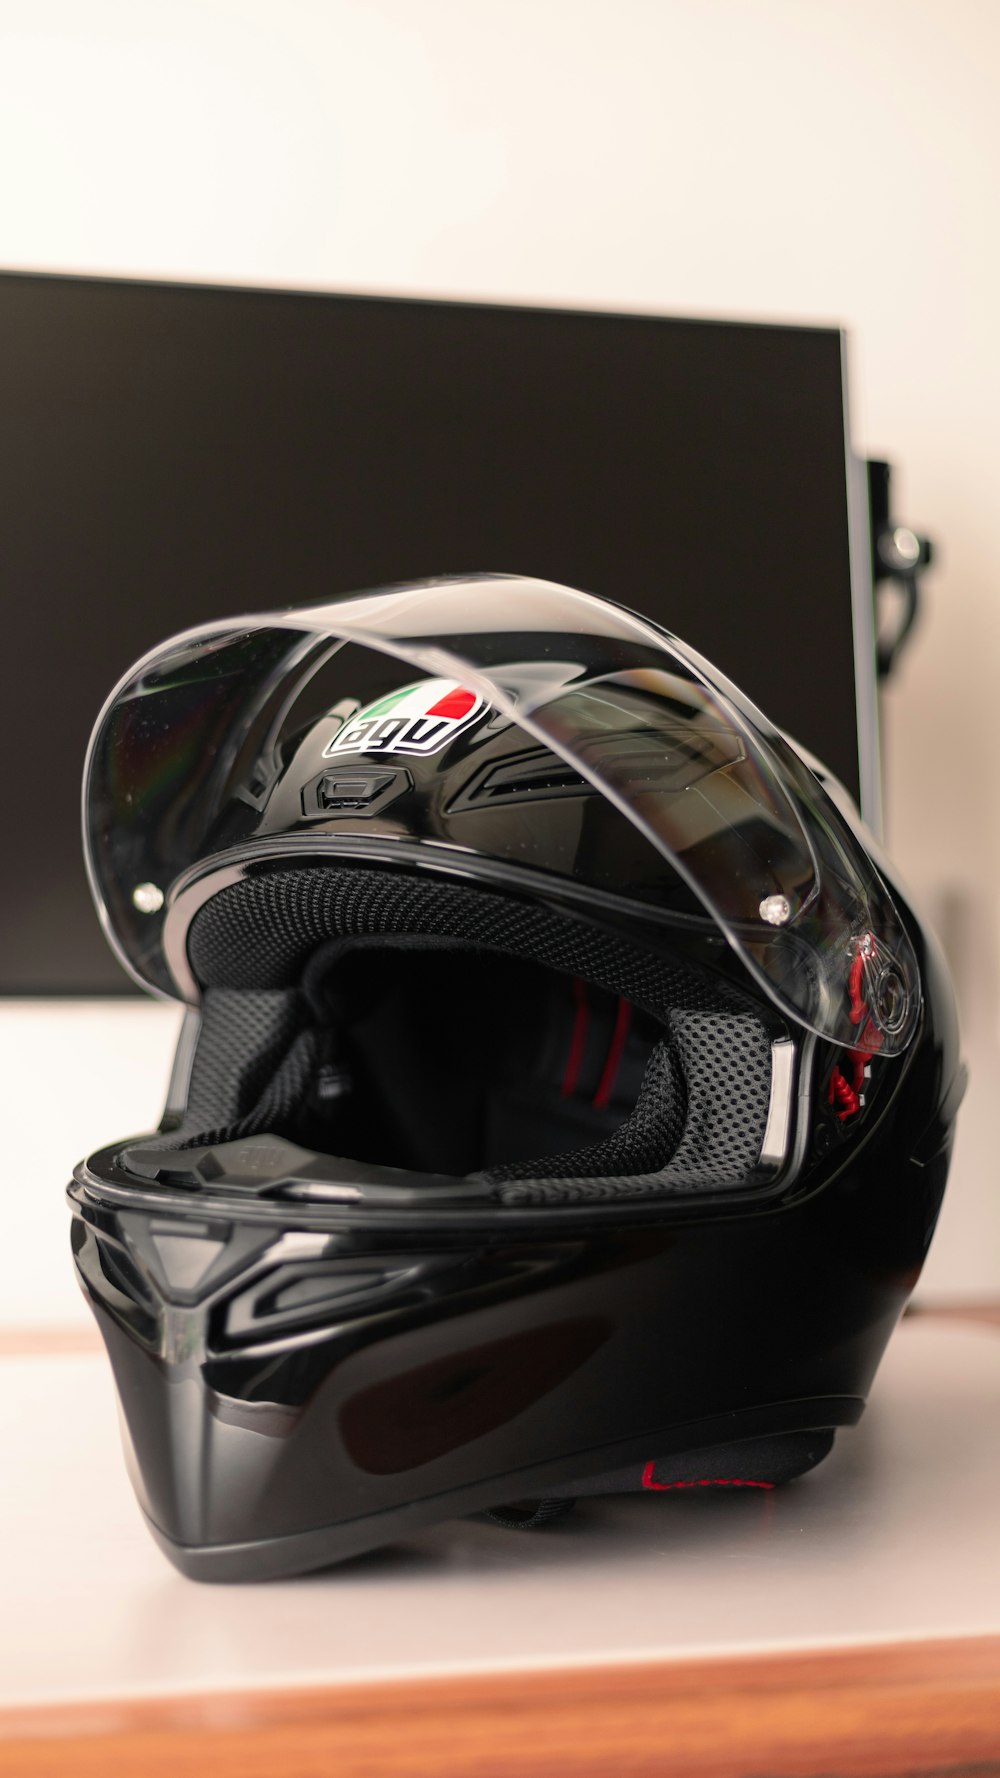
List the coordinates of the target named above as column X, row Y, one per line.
column 147, row 897
column 776, row 910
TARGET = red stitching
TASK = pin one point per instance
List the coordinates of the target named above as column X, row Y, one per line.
column 602, row 1097
column 578, row 1041
column 706, row 1482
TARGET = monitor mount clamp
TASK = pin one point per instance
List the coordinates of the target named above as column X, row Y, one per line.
column 899, row 556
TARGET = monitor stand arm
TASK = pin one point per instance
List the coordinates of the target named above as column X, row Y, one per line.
column 898, row 557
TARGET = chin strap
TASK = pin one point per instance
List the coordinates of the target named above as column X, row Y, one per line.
column 528, row 1515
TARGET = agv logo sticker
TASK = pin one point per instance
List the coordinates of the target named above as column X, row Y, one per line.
column 419, row 719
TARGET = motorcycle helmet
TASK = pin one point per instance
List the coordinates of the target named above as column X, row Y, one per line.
column 566, row 1092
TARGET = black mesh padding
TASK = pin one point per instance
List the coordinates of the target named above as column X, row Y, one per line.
column 278, row 1103
column 643, row 1143
column 727, row 1065
column 243, row 1039
column 698, row 1123
column 254, row 1063
column 260, row 933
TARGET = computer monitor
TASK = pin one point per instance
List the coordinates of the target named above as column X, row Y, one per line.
column 173, row 453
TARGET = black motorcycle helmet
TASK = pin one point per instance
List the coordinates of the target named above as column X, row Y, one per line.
column 566, row 1096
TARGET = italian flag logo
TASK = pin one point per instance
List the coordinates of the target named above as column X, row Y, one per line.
column 420, row 719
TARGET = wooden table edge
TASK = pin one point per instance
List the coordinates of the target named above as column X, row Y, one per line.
column 913, row 1708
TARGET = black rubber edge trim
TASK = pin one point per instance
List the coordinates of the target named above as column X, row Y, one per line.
column 304, row 1551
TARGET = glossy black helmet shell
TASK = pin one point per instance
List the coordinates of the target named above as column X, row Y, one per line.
column 567, row 1092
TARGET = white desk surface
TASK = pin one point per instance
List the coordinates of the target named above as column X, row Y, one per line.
column 895, row 1537
column 77, row 1074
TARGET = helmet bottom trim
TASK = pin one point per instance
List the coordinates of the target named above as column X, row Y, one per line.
column 733, row 1438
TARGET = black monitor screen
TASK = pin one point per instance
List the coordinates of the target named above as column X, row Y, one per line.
column 172, row 453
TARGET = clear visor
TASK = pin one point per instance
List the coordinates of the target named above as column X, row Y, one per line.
column 193, row 732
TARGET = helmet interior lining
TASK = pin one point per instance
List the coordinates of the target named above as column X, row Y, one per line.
column 440, row 1028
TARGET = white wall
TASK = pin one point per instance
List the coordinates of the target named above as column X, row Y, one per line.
column 773, row 158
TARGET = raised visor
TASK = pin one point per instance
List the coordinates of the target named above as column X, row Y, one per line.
column 189, row 747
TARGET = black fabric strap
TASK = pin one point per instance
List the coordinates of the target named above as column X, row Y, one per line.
column 529, row 1515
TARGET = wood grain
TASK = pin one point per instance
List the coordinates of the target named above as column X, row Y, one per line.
column 987, row 1313
column 921, row 1710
